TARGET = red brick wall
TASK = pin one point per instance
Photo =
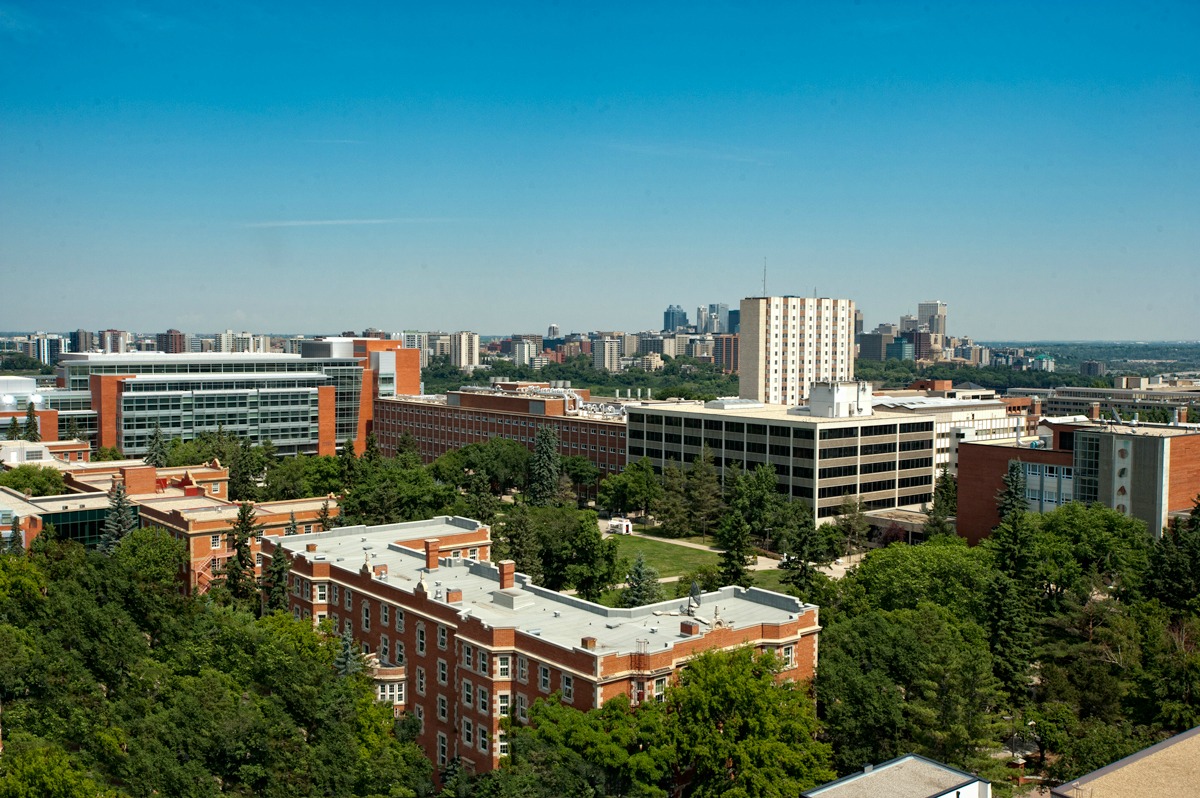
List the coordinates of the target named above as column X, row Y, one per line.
column 106, row 401
column 327, row 442
column 981, row 470
column 1185, row 472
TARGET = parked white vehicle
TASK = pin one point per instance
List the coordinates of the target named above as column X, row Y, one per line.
column 620, row 526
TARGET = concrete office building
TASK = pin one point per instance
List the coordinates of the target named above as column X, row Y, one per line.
column 172, row 342
column 606, row 354
column 836, row 447
column 788, row 342
column 932, row 315
column 873, row 346
column 464, row 644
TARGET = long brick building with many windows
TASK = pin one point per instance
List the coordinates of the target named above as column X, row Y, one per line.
column 462, row 642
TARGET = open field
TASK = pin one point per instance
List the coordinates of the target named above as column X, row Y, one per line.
column 666, row 558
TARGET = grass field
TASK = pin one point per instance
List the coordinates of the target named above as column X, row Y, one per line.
column 769, row 580
column 666, row 558
column 655, row 531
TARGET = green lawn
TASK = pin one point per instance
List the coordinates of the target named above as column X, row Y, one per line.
column 769, row 580
column 655, row 531
column 666, row 558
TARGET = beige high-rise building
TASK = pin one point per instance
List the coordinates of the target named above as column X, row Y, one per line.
column 789, row 342
column 933, row 313
column 464, row 350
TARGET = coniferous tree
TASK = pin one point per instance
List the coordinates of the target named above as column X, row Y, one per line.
column 544, row 468
column 517, row 540
column 349, row 659
column 239, row 571
column 1011, row 498
column 14, row 430
column 852, row 524
column 119, row 522
column 704, row 492
column 672, row 509
column 275, row 581
column 371, row 451
column 482, row 505
column 945, row 504
column 733, row 536
column 30, row 432
column 642, row 585
column 15, row 543
column 324, row 520
column 156, row 449
column 349, row 462
column 73, row 431
column 290, row 529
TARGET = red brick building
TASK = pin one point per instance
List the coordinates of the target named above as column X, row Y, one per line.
column 505, row 410
column 463, row 643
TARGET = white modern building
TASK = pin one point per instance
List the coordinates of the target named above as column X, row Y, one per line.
column 464, row 350
column 788, row 342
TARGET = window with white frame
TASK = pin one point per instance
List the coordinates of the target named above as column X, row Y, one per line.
column 442, row 637
column 420, row 639
column 522, row 669
column 568, row 688
column 419, row 713
column 544, row 678
column 399, row 657
column 366, row 615
column 502, row 744
column 484, row 705
column 788, row 655
column 468, row 693
column 522, row 708
column 420, row 680
column 214, row 542
column 385, row 649
column 483, row 741
column 502, row 705
column 468, row 655
column 336, row 597
column 660, row 688
column 502, row 666
column 385, row 611
column 443, row 671
column 468, row 731
column 321, row 592
column 441, row 749
column 399, row 620
column 349, row 599
column 443, row 707
column 483, row 662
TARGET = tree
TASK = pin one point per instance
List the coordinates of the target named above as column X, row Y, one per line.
column 671, row 509
column 324, row 520
column 290, row 529
column 1175, row 565
column 743, row 732
column 541, row 487
column 643, row 485
column 34, row 480
column 642, row 586
column 239, row 571
column 583, row 474
column 30, row 432
column 371, row 452
column 275, row 581
column 16, row 543
column 349, row 659
column 802, row 548
column 156, row 449
column 349, row 463
column 74, row 433
column 14, row 430
column 516, row 539
column 945, row 504
column 704, row 492
column 479, row 501
column 119, row 521
column 733, row 536
column 852, row 524
column 1011, row 498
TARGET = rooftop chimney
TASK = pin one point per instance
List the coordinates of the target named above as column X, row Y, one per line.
column 432, row 549
column 453, row 595
column 310, row 546
column 689, row 628
column 508, row 569
column 589, row 643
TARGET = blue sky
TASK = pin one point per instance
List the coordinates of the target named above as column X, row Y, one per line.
column 502, row 166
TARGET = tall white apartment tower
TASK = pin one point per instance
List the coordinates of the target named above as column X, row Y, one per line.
column 933, row 313
column 464, row 350
column 789, row 342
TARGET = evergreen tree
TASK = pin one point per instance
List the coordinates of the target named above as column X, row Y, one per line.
column 349, row 463
column 31, row 425
column 119, row 522
column 349, row 659
column 733, row 536
column 14, row 430
column 15, row 544
column 73, row 431
column 1011, row 498
column 642, row 585
column 852, row 524
column 517, row 540
column 704, row 492
column 1012, row 636
column 482, row 505
column 290, row 529
column 672, row 509
column 239, row 571
column 545, row 465
column 371, row 451
column 801, row 546
column 945, row 504
column 156, row 449
column 275, row 581
column 324, row 520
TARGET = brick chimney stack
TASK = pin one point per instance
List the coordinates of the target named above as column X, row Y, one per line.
column 508, row 570
column 432, row 550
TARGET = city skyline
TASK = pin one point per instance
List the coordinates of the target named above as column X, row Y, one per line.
column 467, row 167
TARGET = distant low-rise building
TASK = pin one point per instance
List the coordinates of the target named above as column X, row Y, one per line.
column 910, row 776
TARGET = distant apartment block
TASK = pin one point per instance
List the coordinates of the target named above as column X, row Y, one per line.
column 606, row 354
column 726, row 352
column 440, row 424
column 787, row 343
column 464, row 350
